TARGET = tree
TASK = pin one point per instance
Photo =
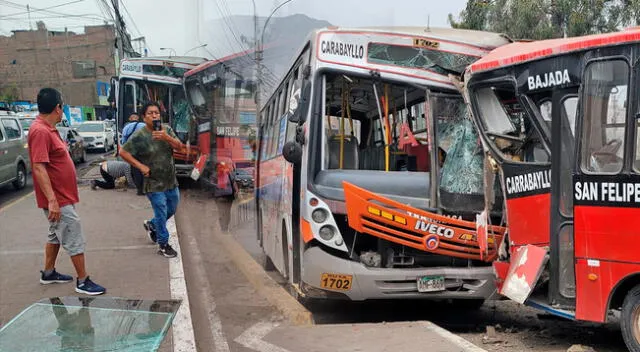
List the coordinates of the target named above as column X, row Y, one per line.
column 544, row 19
column 9, row 94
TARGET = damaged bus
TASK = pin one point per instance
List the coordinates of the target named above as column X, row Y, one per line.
column 159, row 79
column 559, row 121
column 221, row 95
column 369, row 171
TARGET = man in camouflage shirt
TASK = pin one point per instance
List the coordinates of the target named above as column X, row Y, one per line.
column 151, row 152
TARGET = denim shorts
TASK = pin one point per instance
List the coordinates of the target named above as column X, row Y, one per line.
column 68, row 231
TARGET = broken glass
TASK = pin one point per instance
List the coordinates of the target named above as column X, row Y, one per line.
column 79, row 324
column 463, row 165
column 422, row 58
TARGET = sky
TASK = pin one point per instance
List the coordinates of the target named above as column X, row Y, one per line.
column 176, row 24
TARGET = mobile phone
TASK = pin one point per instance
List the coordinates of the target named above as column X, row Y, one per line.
column 157, row 125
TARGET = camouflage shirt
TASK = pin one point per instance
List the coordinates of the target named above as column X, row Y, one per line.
column 158, row 156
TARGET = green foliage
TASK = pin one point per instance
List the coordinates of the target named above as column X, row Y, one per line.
column 9, row 94
column 544, row 19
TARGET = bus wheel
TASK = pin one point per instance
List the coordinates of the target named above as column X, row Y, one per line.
column 630, row 320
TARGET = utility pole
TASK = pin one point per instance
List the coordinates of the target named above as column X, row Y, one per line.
column 119, row 31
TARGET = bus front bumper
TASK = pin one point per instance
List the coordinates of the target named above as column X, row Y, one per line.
column 393, row 283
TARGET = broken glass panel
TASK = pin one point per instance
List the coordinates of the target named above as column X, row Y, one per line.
column 422, row 58
column 461, row 172
column 79, row 324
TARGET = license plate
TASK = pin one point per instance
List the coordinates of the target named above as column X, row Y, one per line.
column 431, row 283
column 338, row 282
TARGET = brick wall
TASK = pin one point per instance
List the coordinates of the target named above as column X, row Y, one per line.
column 30, row 60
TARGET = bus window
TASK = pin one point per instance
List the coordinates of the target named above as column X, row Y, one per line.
column 605, row 101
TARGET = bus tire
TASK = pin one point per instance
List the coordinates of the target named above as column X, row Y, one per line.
column 630, row 320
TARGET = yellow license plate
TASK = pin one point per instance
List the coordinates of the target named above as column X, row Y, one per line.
column 336, row 281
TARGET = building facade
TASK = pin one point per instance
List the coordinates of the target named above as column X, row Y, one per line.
column 79, row 65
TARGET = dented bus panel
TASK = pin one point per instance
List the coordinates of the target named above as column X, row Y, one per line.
column 559, row 123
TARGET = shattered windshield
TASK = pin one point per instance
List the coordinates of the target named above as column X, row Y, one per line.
column 422, row 58
column 76, row 324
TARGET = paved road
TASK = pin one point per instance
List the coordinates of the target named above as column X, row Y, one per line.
column 8, row 194
column 518, row 328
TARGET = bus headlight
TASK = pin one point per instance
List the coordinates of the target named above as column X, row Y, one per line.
column 327, row 233
column 319, row 216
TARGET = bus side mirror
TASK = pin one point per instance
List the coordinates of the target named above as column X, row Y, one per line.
column 292, row 152
column 299, row 101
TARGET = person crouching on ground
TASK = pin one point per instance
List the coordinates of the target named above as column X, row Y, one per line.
column 56, row 188
column 150, row 150
column 110, row 171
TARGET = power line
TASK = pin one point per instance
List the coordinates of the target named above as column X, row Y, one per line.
column 135, row 26
column 43, row 9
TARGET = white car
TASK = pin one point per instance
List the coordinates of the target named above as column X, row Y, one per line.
column 97, row 135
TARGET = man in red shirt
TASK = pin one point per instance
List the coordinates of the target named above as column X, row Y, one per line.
column 54, row 180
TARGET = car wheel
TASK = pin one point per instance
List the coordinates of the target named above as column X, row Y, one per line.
column 21, row 178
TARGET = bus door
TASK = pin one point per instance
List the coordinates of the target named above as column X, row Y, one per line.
column 512, row 127
column 562, row 274
column 605, row 195
column 514, row 134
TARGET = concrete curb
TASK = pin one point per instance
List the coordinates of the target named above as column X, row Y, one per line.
column 183, row 334
column 464, row 345
column 295, row 312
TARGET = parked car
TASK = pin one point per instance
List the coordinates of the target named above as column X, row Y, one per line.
column 244, row 178
column 75, row 144
column 26, row 124
column 97, row 135
column 14, row 155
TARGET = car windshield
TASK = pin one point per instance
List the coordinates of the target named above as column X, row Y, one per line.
column 26, row 123
column 91, row 127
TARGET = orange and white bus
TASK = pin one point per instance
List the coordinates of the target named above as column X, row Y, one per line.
column 369, row 171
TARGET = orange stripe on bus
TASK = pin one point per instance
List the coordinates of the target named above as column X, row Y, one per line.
column 305, row 228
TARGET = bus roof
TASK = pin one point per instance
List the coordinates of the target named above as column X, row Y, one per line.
column 160, row 69
column 480, row 39
column 188, row 60
column 521, row 52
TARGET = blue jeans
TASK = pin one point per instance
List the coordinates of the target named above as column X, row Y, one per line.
column 164, row 207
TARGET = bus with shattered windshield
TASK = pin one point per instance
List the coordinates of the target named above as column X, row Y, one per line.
column 159, row 79
column 370, row 172
column 559, row 120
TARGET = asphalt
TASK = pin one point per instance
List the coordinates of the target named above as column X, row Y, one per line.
column 227, row 305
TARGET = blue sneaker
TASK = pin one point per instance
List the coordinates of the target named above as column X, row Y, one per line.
column 89, row 287
column 54, row 278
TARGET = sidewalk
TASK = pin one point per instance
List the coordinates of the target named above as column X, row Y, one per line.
column 119, row 256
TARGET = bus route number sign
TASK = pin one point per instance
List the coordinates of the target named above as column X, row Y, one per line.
column 424, row 43
column 338, row 282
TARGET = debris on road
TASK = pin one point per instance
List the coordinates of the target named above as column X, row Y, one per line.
column 580, row 348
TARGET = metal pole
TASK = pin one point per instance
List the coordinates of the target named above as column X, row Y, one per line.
column 116, row 8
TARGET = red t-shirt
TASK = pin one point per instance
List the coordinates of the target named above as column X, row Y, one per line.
column 46, row 146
